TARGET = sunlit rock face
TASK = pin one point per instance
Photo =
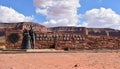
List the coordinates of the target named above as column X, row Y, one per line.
column 87, row 31
column 62, row 38
column 62, row 29
column 21, row 26
column 6, row 29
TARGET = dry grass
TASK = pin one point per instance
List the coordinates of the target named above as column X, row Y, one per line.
column 2, row 42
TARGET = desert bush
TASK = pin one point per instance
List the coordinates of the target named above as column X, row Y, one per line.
column 2, row 42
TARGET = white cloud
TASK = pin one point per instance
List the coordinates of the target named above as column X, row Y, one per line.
column 58, row 12
column 102, row 18
column 41, row 11
column 10, row 15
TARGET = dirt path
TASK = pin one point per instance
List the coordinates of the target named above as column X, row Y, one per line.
column 60, row 61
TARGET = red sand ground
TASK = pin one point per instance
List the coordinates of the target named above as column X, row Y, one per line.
column 60, row 61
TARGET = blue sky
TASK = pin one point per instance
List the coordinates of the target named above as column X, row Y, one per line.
column 87, row 12
column 90, row 4
column 25, row 7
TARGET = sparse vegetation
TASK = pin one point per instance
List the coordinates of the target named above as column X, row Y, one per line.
column 2, row 42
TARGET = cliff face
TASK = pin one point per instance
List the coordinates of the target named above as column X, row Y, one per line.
column 11, row 26
column 63, row 37
column 37, row 27
column 7, row 27
column 72, row 30
column 87, row 31
column 21, row 26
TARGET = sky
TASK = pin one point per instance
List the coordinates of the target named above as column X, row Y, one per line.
column 51, row 13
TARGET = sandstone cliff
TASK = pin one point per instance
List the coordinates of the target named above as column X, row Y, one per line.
column 72, row 30
column 87, row 31
column 63, row 37
column 20, row 26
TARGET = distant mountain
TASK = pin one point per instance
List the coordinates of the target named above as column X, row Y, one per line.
column 62, row 29
column 87, row 31
column 21, row 26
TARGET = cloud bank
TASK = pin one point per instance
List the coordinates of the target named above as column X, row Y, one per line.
column 10, row 15
column 58, row 12
column 64, row 13
column 102, row 18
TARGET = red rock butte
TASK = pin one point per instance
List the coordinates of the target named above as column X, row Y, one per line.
column 63, row 37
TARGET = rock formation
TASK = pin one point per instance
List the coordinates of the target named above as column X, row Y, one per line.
column 88, row 31
column 67, row 38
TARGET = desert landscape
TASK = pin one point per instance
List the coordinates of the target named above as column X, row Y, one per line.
column 61, row 48
column 59, row 60
column 59, row 34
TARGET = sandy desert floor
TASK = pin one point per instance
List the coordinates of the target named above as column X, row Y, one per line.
column 60, row 61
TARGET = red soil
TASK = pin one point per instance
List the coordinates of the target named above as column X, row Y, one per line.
column 60, row 61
